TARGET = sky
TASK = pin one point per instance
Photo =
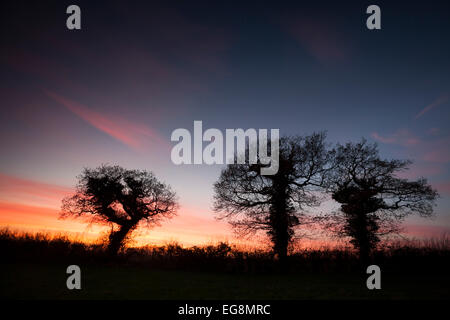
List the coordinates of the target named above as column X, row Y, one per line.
column 114, row 91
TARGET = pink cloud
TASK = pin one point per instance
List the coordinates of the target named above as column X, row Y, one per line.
column 134, row 135
column 402, row 137
column 382, row 139
column 30, row 191
column 432, row 153
column 441, row 100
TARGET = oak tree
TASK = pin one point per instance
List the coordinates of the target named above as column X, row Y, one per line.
column 122, row 199
column 276, row 203
column 374, row 199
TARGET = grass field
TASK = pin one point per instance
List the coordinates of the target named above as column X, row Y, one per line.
column 43, row 281
column 34, row 267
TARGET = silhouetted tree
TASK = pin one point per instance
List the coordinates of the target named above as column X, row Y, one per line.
column 274, row 203
column 120, row 198
column 374, row 200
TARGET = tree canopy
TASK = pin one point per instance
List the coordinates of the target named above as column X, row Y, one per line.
column 374, row 199
column 274, row 203
column 121, row 198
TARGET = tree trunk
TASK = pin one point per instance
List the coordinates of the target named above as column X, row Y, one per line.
column 364, row 254
column 116, row 238
column 364, row 239
column 279, row 220
column 361, row 228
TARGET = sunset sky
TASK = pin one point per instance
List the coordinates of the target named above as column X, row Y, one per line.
column 114, row 91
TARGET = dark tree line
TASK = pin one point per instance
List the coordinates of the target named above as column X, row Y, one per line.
column 373, row 199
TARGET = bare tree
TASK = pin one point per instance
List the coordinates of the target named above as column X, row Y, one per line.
column 374, row 200
column 274, row 203
column 121, row 198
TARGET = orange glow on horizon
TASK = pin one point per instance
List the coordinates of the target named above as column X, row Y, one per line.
column 185, row 228
column 33, row 206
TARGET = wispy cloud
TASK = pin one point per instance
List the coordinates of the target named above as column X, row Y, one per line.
column 134, row 135
column 22, row 215
column 402, row 137
column 441, row 100
column 431, row 153
column 13, row 188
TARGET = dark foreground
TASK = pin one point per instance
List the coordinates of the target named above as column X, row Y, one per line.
column 48, row 281
column 34, row 267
